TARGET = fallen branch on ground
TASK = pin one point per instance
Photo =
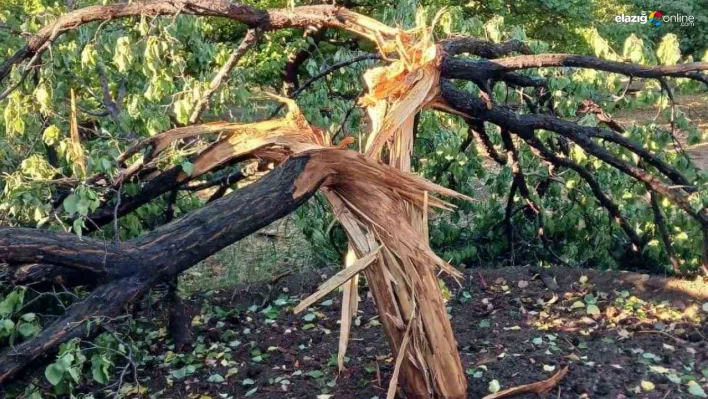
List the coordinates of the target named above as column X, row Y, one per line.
column 538, row 388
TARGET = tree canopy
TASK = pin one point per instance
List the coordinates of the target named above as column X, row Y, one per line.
column 117, row 117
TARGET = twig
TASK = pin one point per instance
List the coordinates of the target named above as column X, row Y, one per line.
column 116, row 232
column 250, row 40
column 678, row 340
column 332, row 68
column 539, row 388
column 665, row 87
column 108, row 102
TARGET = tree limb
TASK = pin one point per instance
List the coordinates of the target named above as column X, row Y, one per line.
column 250, row 40
column 663, row 232
column 460, row 68
column 272, row 19
column 524, row 125
column 483, row 48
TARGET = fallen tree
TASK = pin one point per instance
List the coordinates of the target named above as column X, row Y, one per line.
column 382, row 209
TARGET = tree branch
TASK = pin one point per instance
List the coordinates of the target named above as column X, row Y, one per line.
column 476, row 128
column 483, row 48
column 506, row 119
column 322, row 74
column 295, row 61
column 524, row 125
column 663, row 232
column 250, row 40
column 272, row 19
column 460, row 68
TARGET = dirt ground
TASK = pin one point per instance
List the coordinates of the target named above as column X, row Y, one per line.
column 621, row 335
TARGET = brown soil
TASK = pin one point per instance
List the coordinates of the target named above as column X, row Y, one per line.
column 506, row 333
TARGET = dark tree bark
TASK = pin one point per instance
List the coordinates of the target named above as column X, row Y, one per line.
column 131, row 268
column 122, row 272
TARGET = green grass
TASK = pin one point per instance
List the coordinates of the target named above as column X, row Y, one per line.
column 275, row 249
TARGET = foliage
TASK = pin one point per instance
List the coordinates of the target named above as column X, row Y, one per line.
column 155, row 70
column 169, row 63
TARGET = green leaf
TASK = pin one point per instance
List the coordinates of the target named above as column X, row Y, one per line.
column 12, row 302
column 70, row 204
column 188, row 168
column 593, row 310
column 217, row 378
column 182, row 109
column 29, row 317
column 696, row 390
column 493, row 28
column 8, row 325
column 28, row 330
column 88, row 56
column 577, row 305
column 78, row 226
column 647, row 386
column 251, row 392
column 54, row 373
column 668, row 51
column 183, row 372
column 632, row 49
column 316, row 374
column 494, row 386
column 51, row 135
column 98, row 375
column 590, row 299
column 75, row 373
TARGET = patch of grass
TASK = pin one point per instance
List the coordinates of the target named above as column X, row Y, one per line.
column 276, row 249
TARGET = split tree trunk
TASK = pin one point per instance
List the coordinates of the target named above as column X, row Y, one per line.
column 447, row 367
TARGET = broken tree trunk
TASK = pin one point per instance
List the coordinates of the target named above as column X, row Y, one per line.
column 376, row 193
column 406, row 288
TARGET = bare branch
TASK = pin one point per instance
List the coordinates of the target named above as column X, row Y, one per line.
column 108, row 102
column 273, row 19
column 663, row 232
column 330, row 69
column 460, row 68
column 250, row 40
column 477, row 129
column 483, row 48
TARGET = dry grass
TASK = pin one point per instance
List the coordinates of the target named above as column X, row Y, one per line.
column 277, row 248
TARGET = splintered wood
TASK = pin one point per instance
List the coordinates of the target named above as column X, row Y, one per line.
column 382, row 208
column 431, row 365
